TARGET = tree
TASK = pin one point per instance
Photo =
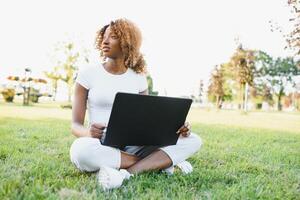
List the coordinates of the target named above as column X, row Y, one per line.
column 293, row 38
column 150, row 86
column 260, row 93
column 26, row 86
column 215, row 88
column 278, row 73
column 55, row 77
column 230, row 85
column 243, row 70
column 201, row 90
column 67, row 64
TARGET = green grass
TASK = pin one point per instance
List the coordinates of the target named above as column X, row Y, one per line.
column 239, row 160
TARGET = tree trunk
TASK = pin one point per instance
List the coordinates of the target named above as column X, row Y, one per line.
column 242, row 91
column 24, row 95
column 246, row 97
column 55, row 90
column 279, row 106
column 28, row 96
column 69, row 93
column 218, row 102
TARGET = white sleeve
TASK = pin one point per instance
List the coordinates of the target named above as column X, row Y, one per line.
column 83, row 78
column 143, row 83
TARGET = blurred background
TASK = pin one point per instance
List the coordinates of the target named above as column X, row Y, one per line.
column 234, row 55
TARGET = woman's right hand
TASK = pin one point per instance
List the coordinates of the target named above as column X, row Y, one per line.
column 96, row 130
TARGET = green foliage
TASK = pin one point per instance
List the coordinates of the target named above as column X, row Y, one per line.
column 260, row 93
column 277, row 73
column 67, row 66
column 229, row 83
column 228, row 91
column 150, row 86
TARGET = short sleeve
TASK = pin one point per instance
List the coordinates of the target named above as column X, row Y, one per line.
column 83, row 78
column 143, row 83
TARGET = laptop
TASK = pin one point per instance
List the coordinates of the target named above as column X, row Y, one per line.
column 139, row 120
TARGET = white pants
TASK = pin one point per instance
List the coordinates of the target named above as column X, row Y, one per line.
column 88, row 154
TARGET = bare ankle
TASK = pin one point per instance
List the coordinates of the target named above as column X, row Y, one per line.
column 134, row 160
column 128, row 160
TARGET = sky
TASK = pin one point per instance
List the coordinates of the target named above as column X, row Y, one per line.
column 182, row 40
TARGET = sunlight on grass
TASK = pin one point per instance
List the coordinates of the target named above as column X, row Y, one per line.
column 235, row 162
column 38, row 111
column 268, row 120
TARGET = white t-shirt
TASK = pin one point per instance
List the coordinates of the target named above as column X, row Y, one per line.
column 103, row 86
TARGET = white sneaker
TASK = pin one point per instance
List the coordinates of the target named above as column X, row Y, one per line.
column 169, row 170
column 184, row 166
column 109, row 178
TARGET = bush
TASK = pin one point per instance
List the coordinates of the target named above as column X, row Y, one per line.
column 258, row 106
column 8, row 94
column 34, row 95
column 68, row 106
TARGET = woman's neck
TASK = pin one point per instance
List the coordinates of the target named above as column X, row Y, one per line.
column 115, row 66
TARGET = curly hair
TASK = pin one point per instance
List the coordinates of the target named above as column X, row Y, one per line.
column 130, row 38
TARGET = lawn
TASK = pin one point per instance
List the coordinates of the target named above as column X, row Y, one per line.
column 245, row 156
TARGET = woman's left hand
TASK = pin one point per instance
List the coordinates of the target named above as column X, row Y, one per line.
column 185, row 130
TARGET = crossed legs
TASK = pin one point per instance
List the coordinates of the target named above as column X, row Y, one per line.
column 88, row 155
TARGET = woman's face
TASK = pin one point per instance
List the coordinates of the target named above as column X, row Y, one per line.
column 111, row 44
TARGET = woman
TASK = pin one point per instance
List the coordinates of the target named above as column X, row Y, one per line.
column 123, row 71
